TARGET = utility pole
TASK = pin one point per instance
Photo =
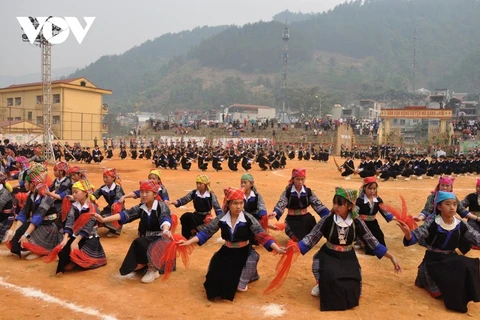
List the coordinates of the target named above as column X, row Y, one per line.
column 285, row 37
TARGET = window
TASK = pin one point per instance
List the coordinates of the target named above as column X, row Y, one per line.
column 29, row 115
column 18, row 101
column 9, row 118
column 39, row 99
column 56, row 98
column 39, row 119
column 83, row 83
column 402, row 122
column 18, row 118
column 9, row 102
column 395, row 121
column 56, row 119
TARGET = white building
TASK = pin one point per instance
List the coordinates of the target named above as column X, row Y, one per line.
column 247, row 111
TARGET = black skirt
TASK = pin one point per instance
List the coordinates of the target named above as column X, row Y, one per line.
column 340, row 279
column 374, row 228
column 299, row 226
column 456, row 276
column 224, row 272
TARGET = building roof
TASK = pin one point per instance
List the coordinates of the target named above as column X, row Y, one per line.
column 32, row 84
column 248, row 107
column 75, row 82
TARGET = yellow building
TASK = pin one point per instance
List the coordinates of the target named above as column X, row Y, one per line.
column 77, row 109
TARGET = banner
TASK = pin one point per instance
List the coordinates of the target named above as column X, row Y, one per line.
column 468, row 146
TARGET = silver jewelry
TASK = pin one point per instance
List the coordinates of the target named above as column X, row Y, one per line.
column 342, row 234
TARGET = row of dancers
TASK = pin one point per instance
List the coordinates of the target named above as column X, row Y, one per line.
column 407, row 166
column 62, row 218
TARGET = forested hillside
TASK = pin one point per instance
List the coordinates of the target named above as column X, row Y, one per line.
column 361, row 48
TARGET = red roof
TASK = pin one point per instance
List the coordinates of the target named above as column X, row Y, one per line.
column 248, row 106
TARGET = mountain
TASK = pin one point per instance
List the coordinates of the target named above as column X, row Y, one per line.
column 137, row 68
column 359, row 48
column 289, row 17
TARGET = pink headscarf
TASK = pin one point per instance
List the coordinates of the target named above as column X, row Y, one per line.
column 444, row 180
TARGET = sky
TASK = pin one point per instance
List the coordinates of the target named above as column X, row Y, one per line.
column 122, row 24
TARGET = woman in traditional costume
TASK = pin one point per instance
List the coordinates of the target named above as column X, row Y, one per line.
column 203, row 201
column 229, row 268
column 297, row 198
column 154, row 226
column 111, row 192
column 37, row 225
column 443, row 272
column 335, row 267
column 369, row 204
column 81, row 244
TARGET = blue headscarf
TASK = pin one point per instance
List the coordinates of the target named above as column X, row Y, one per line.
column 442, row 196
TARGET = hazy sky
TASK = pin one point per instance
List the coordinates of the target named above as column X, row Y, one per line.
column 122, row 24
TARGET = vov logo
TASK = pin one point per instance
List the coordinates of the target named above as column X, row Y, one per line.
column 54, row 29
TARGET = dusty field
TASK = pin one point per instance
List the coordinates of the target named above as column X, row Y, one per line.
column 106, row 295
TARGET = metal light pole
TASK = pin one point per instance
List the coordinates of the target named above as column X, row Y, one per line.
column 46, row 47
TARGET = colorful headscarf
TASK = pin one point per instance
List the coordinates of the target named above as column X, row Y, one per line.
column 369, row 180
column 61, row 166
column 156, row 172
column 37, row 174
column 478, row 182
column 112, row 172
column 203, row 178
column 300, row 172
column 366, row 181
column 74, row 169
column 85, row 186
column 247, row 177
column 232, row 194
column 23, row 161
column 351, row 196
column 149, row 185
column 445, row 180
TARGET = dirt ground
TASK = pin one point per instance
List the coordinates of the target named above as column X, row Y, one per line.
column 385, row 295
